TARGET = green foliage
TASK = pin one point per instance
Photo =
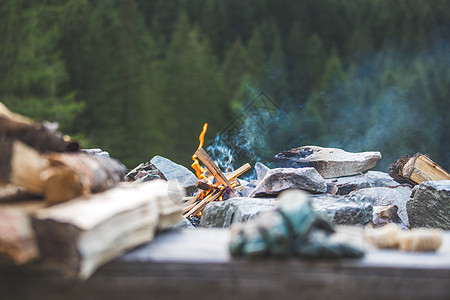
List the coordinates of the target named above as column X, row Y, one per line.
column 139, row 78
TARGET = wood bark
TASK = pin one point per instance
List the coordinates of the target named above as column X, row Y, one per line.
column 82, row 234
column 43, row 137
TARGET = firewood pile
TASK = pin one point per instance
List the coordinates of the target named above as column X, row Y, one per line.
column 69, row 207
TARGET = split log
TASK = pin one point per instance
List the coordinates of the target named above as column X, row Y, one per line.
column 74, row 174
column 56, row 176
column 421, row 168
column 22, row 165
column 17, row 239
column 82, row 234
column 43, row 137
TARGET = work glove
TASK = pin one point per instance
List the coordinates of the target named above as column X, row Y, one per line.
column 294, row 228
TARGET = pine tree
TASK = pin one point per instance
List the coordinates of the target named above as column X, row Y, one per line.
column 33, row 73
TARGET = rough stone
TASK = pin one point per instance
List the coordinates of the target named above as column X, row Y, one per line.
column 183, row 224
column 96, row 151
column 430, row 205
column 347, row 184
column 380, row 179
column 281, row 179
column 144, row 172
column 382, row 196
column 172, row 170
column 344, row 210
column 261, row 171
column 383, row 215
column 235, row 210
column 329, row 162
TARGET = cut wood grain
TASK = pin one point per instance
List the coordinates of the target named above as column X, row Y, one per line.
column 22, row 165
column 421, row 168
column 84, row 233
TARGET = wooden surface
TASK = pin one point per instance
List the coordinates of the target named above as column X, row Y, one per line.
column 195, row 264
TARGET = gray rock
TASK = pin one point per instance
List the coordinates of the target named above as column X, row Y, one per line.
column 281, row 179
column 172, row 170
column 329, row 162
column 347, row 184
column 144, row 172
column 183, row 224
column 235, row 210
column 380, row 179
column 430, row 205
column 344, row 210
column 261, row 171
column 382, row 196
column 96, row 151
column 387, row 214
column 339, row 209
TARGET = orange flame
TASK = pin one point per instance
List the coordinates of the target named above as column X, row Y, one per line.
column 196, row 165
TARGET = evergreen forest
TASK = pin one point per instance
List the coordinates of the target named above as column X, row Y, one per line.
column 139, row 78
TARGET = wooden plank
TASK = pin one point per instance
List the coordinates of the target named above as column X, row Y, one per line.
column 196, row 264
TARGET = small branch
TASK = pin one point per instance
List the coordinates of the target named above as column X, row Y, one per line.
column 238, row 172
column 202, row 204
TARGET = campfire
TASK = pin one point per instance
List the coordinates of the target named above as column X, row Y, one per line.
column 215, row 185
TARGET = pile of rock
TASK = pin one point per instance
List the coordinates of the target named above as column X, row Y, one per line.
column 342, row 189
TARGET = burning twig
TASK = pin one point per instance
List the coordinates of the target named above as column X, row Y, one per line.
column 212, row 190
column 199, row 206
column 211, row 166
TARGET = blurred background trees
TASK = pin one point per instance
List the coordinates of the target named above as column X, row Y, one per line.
column 140, row 77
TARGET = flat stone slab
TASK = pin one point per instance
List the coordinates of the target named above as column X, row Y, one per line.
column 430, row 205
column 344, row 210
column 281, row 179
column 329, row 162
column 347, row 184
column 383, row 196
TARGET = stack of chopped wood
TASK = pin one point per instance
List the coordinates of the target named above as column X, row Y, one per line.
column 67, row 206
